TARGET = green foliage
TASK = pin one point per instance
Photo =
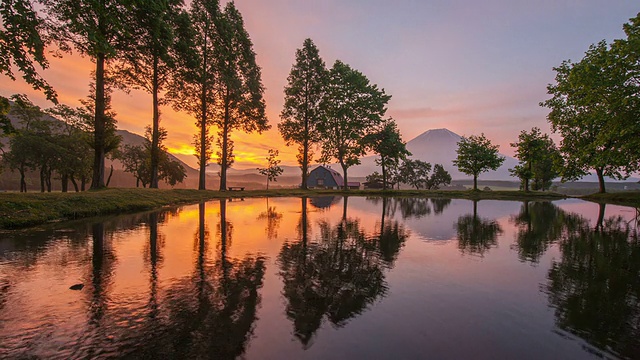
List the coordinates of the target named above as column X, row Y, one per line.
column 415, row 173
column 303, row 94
column 387, row 142
column 239, row 85
column 272, row 171
column 22, row 44
column 439, row 177
column 594, row 106
column 352, row 108
column 476, row 154
column 539, row 158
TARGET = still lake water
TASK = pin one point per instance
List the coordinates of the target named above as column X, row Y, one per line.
column 328, row 278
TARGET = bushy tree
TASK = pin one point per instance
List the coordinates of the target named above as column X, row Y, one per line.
column 539, row 159
column 301, row 112
column 352, row 108
column 387, row 143
column 439, row 177
column 594, row 107
column 476, row 154
column 415, row 173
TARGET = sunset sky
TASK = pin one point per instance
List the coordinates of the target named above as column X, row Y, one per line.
column 470, row 66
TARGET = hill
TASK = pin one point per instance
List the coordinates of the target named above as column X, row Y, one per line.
column 438, row 146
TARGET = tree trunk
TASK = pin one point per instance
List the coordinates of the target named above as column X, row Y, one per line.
column 47, row 178
column 155, row 132
column 599, row 172
column 110, row 175
column 137, row 182
column 475, row 182
column 97, row 181
column 64, row 183
column 600, row 221
column 225, row 144
column 83, row 183
column 75, row 184
column 202, row 182
column 42, row 179
column 23, row 183
column 384, row 173
column 344, row 171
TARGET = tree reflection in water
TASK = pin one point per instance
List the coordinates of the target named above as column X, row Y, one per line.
column 273, row 221
column 476, row 235
column 539, row 224
column 212, row 313
column 595, row 286
column 338, row 274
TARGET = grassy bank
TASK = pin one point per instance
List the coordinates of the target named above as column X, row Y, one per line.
column 626, row 198
column 23, row 210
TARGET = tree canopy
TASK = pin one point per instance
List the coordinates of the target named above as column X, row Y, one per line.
column 476, row 154
column 303, row 94
column 352, row 108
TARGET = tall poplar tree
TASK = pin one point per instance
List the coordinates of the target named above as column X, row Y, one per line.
column 22, row 44
column 194, row 87
column 150, row 66
column 98, row 29
column 352, row 108
column 303, row 94
column 239, row 87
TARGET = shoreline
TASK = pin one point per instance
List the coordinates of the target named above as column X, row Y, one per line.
column 19, row 210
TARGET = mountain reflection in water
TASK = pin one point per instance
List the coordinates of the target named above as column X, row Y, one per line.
column 328, row 277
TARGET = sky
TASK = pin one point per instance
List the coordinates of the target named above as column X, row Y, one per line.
column 467, row 65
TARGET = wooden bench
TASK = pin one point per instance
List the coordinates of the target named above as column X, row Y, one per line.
column 236, row 188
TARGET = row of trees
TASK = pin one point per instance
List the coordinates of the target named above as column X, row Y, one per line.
column 200, row 60
column 62, row 148
column 339, row 111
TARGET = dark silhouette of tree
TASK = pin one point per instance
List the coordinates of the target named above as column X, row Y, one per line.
column 273, row 221
column 239, row 86
column 476, row 154
column 390, row 237
column 22, row 44
column 337, row 276
column 439, row 205
column 194, row 88
column 387, row 143
column 540, row 224
column 301, row 113
column 352, row 108
column 273, row 170
column 476, row 235
column 539, row 159
column 212, row 312
column 151, row 63
column 100, row 30
column 593, row 107
column 594, row 287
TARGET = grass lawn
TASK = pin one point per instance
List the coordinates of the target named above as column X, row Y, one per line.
column 22, row 210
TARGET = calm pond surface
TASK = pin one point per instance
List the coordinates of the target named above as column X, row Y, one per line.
column 328, row 278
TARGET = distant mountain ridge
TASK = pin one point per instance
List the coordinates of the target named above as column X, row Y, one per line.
column 437, row 146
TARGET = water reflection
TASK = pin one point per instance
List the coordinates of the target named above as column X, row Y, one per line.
column 273, row 218
column 338, row 274
column 539, row 225
column 476, row 235
column 595, row 286
column 212, row 312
